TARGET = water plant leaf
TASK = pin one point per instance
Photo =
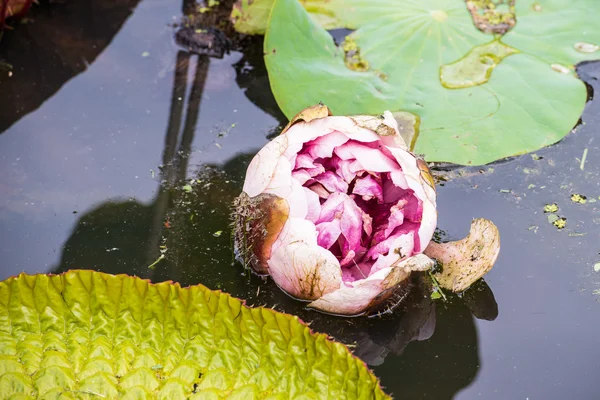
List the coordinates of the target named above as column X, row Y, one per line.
column 525, row 95
column 87, row 334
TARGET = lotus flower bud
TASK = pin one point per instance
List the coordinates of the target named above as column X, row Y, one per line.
column 337, row 211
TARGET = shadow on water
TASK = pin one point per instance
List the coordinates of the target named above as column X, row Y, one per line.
column 425, row 348
column 61, row 42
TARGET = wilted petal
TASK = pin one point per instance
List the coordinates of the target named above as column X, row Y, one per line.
column 258, row 223
column 467, row 260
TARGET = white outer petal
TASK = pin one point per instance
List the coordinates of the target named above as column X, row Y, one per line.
column 299, row 265
column 355, row 300
column 263, row 166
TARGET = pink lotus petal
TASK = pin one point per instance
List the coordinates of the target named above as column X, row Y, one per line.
column 313, row 205
column 317, row 170
column 348, row 258
column 368, row 188
column 393, row 250
column 320, row 190
column 372, row 160
column 301, row 176
column 396, row 217
column 389, row 244
column 304, row 161
column 367, row 223
column 342, row 168
column 332, row 208
column 352, row 225
column 413, row 208
column 329, row 232
column 332, row 182
column 330, row 141
column 399, row 180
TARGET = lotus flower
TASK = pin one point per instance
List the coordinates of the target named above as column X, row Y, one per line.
column 337, row 211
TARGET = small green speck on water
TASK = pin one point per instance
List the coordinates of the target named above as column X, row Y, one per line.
column 504, row 190
column 559, row 222
column 535, row 157
column 551, row 208
column 578, row 198
column 145, row 54
column 531, row 186
column 217, row 233
column 187, row 188
column 597, row 267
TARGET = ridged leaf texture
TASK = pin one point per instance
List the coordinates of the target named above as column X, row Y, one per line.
column 87, row 334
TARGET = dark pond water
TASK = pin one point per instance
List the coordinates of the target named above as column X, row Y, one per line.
column 105, row 119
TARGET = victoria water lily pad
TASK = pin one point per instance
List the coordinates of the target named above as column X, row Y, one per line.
column 86, row 334
column 478, row 98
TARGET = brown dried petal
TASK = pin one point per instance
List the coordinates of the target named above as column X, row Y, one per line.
column 309, row 114
column 258, row 221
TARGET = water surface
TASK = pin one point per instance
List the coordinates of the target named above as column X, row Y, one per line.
column 104, row 123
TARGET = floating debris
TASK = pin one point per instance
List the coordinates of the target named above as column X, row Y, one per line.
column 597, row 267
column 559, row 222
column 551, row 208
column 583, row 157
column 578, row 198
column 535, row 157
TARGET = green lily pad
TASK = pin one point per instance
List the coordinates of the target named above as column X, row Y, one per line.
column 516, row 94
column 87, row 334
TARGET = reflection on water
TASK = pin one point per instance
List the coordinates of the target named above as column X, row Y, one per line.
column 81, row 187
